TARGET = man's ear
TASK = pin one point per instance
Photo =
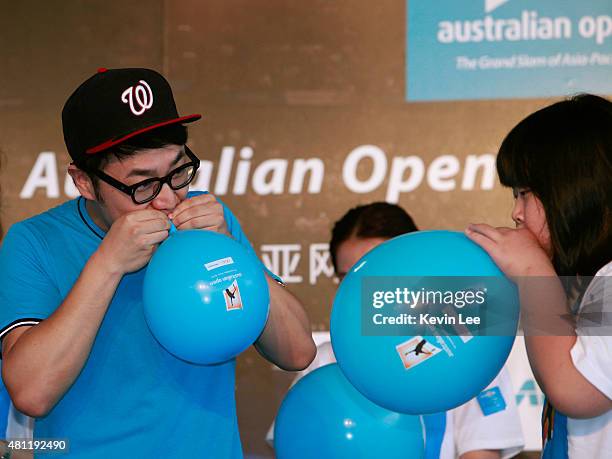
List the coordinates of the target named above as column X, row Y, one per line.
column 82, row 182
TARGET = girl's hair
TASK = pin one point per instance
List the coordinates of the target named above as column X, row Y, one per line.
column 378, row 219
column 563, row 155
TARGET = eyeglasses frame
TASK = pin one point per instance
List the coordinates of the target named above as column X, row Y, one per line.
column 131, row 189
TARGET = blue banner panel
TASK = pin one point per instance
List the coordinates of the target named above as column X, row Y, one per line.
column 497, row 49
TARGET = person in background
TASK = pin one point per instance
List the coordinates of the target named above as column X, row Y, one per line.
column 464, row 432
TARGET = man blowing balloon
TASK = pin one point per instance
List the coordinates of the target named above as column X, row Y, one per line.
column 77, row 353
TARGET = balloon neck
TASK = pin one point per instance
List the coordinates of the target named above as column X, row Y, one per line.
column 172, row 229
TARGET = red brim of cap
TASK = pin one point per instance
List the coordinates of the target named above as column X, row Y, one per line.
column 111, row 143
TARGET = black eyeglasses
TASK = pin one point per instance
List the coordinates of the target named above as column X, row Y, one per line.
column 147, row 190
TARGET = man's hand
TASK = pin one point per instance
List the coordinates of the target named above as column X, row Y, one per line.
column 200, row 212
column 132, row 239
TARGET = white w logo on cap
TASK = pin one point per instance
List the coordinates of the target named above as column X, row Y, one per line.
column 139, row 95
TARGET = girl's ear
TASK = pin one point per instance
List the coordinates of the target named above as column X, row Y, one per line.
column 82, row 182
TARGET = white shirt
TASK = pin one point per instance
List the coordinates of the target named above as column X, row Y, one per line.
column 19, row 426
column 592, row 357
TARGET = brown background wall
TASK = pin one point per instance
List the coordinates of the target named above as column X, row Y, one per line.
column 291, row 80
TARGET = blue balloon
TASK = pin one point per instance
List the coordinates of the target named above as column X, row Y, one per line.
column 205, row 297
column 426, row 369
column 323, row 416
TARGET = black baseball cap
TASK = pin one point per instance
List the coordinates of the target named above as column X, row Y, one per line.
column 114, row 105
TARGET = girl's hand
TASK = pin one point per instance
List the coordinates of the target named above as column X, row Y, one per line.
column 515, row 251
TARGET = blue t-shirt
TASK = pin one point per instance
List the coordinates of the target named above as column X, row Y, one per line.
column 132, row 398
column 5, row 402
column 435, row 428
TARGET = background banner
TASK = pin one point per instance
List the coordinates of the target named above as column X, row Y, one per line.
column 494, row 49
column 309, row 108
